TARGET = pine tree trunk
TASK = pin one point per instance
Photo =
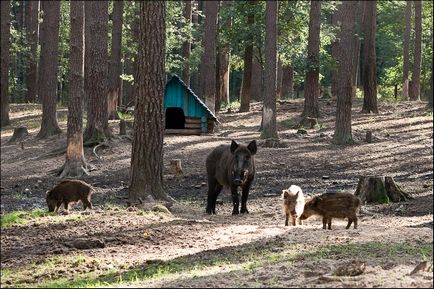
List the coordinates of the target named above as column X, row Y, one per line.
column 146, row 176
column 32, row 11
column 48, row 68
column 344, row 51
column 5, row 45
column 96, row 46
column 224, row 64
column 247, row 79
column 279, row 80
column 115, row 68
column 75, row 164
column 257, row 85
column 287, row 82
column 415, row 80
column 370, row 66
column 406, row 65
column 311, row 84
column 186, row 46
column 357, row 45
column 269, row 127
column 208, row 74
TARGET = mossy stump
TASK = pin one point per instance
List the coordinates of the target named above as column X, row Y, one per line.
column 380, row 189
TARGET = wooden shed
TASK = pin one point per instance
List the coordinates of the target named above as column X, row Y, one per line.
column 185, row 112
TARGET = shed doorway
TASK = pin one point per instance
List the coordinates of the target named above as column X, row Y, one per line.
column 175, row 118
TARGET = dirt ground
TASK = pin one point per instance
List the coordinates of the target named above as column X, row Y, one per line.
column 184, row 247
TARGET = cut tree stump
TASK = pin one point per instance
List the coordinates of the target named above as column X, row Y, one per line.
column 175, row 167
column 382, row 189
column 19, row 134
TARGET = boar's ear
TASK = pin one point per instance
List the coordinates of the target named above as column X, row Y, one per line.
column 252, row 147
column 234, row 146
column 285, row 194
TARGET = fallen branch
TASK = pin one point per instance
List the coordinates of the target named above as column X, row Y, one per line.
column 96, row 147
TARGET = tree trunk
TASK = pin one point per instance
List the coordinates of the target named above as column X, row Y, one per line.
column 247, row 73
column 208, row 74
column 75, row 164
column 370, row 66
column 224, row 65
column 336, row 18
column 115, row 68
column 5, row 45
column 357, row 45
column 287, row 82
column 96, row 45
column 406, row 65
column 257, row 85
column 372, row 189
column 48, row 68
column 279, row 80
column 186, row 46
column 415, row 80
column 32, row 11
column 311, row 84
column 146, row 175
column 269, row 127
column 344, row 51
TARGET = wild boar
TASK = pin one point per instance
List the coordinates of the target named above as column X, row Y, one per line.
column 333, row 205
column 69, row 191
column 232, row 167
column 293, row 204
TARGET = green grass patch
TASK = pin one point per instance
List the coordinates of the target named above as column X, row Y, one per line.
column 21, row 217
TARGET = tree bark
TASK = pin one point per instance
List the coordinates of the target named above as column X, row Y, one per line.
column 311, row 84
column 269, row 127
column 32, row 11
column 96, row 46
column 415, row 80
column 279, row 79
column 208, row 74
column 287, row 81
column 257, row 85
column 336, row 19
column 115, row 69
column 247, row 73
column 146, row 176
column 370, row 66
column 75, row 163
column 48, row 68
column 344, row 51
column 5, row 45
column 357, row 45
column 186, row 46
column 372, row 189
column 224, row 60
column 406, row 51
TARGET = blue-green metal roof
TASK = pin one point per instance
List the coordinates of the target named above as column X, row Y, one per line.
column 178, row 94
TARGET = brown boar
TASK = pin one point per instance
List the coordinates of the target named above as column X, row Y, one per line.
column 333, row 205
column 67, row 192
column 230, row 166
column 293, row 204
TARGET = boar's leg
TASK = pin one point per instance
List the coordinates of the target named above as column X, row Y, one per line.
column 300, row 222
column 235, row 200
column 350, row 220
column 244, row 197
column 218, row 189
column 292, row 220
column 210, row 206
column 286, row 219
column 324, row 222
column 330, row 223
column 58, row 206
column 66, row 204
column 87, row 204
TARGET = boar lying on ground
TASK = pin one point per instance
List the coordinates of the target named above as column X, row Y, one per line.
column 230, row 166
column 333, row 205
column 69, row 191
column 293, row 204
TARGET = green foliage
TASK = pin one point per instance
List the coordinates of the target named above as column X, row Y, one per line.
column 21, row 217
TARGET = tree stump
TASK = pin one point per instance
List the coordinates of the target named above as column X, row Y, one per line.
column 19, row 134
column 175, row 167
column 372, row 189
column 308, row 122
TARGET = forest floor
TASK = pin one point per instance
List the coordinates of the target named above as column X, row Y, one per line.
column 113, row 245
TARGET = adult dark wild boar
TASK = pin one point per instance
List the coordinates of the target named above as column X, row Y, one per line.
column 69, row 191
column 230, row 166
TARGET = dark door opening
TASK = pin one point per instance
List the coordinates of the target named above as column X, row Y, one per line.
column 175, row 118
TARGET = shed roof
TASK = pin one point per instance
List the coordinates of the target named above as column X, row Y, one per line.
column 175, row 77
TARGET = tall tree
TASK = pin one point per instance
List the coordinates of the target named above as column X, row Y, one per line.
column 311, row 83
column 370, row 65
column 75, row 163
column 32, row 12
column 5, row 45
column 247, row 72
column 208, row 74
column 415, row 79
column 406, row 51
column 279, row 79
column 186, row 46
column 269, row 127
column 48, row 68
column 345, row 47
column 115, row 68
column 335, row 55
column 95, row 71
column 146, row 176
column 357, row 44
column 224, row 60
column 287, row 81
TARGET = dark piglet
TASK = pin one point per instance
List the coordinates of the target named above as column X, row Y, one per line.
column 67, row 192
column 333, row 205
column 230, row 166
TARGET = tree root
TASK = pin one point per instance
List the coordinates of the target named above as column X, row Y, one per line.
column 97, row 146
